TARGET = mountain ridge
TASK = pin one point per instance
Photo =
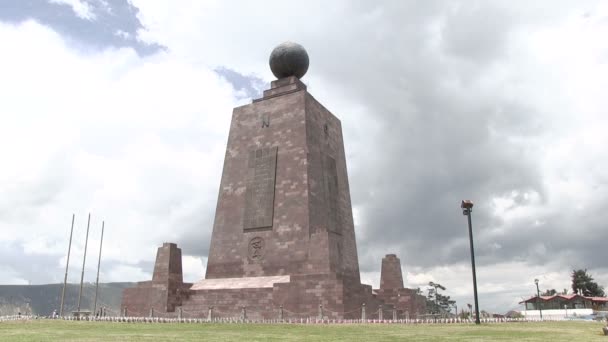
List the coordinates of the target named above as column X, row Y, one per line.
column 43, row 299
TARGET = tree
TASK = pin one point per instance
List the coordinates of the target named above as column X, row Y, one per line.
column 432, row 297
column 436, row 302
column 445, row 303
column 436, row 286
column 431, row 304
column 551, row 292
column 583, row 284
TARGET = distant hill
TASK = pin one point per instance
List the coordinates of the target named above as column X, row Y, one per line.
column 43, row 299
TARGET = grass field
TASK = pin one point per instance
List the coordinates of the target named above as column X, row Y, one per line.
column 48, row 330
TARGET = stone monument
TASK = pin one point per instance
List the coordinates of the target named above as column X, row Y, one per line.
column 166, row 290
column 407, row 302
column 283, row 233
column 283, row 241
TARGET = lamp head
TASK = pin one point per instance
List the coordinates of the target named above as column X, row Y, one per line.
column 467, row 207
column 466, row 204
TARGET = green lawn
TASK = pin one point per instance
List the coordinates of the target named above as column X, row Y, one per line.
column 48, row 330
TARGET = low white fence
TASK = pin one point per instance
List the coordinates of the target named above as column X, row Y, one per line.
column 131, row 319
column 148, row 319
column 557, row 314
column 15, row 318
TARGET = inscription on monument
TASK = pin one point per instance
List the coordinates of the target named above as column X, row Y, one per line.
column 330, row 175
column 259, row 195
column 256, row 248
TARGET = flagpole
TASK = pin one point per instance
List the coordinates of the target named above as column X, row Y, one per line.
column 67, row 264
column 84, row 259
column 98, row 265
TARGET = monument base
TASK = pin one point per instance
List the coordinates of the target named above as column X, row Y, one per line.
column 280, row 297
column 152, row 297
column 407, row 303
column 315, row 296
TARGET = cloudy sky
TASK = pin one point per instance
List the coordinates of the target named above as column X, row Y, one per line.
column 122, row 108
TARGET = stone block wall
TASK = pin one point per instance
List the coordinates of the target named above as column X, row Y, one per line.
column 406, row 301
column 390, row 273
column 284, row 201
column 165, row 291
column 299, row 298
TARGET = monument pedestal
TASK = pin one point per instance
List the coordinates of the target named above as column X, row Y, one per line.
column 263, row 297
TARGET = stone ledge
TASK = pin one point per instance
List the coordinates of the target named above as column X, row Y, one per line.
column 240, row 283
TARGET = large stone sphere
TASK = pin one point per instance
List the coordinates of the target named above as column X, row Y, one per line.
column 289, row 59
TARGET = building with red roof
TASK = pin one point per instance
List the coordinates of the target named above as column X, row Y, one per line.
column 570, row 301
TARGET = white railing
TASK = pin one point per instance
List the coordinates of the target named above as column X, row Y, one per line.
column 557, row 314
column 548, row 315
column 15, row 318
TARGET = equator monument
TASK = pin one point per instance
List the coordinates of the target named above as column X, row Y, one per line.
column 283, row 240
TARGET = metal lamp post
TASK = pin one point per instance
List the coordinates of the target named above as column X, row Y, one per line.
column 538, row 299
column 467, row 208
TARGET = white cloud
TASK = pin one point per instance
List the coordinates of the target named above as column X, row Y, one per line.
column 11, row 277
column 80, row 8
column 193, row 268
column 139, row 142
column 122, row 272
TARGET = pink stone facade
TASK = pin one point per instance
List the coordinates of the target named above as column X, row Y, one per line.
column 312, row 228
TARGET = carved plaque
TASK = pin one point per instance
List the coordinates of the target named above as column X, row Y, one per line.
column 259, row 195
column 330, row 175
column 256, row 248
